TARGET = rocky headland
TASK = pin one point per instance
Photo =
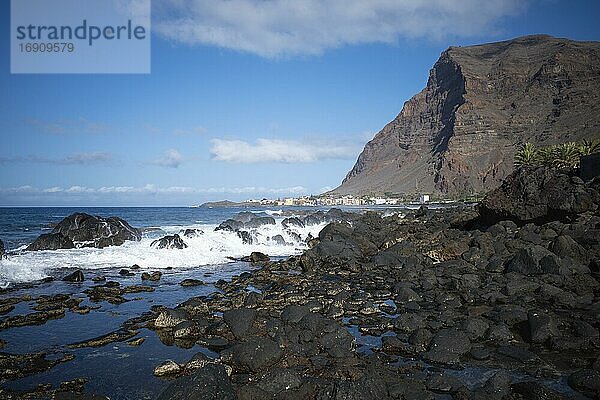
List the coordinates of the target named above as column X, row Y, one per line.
column 459, row 135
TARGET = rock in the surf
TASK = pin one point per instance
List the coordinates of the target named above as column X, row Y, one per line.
column 51, row 241
column 2, row 250
column 76, row 276
column 84, row 230
column 169, row 242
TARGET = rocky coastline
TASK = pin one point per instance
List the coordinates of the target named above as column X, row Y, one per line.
column 499, row 301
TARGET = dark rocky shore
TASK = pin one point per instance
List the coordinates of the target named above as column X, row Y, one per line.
column 501, row 301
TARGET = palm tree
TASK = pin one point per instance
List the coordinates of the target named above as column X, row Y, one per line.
column 527, row 155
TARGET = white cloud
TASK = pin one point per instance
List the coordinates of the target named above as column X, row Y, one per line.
column 155, row 189
column 275, row 150
column 272, row 28
column 171, row 159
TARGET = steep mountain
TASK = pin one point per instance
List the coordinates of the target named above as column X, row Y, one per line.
column 459, row 134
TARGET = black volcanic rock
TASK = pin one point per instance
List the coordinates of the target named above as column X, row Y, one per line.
column 169, row 242
column 76, row 276
column 51, row 241
column 2, row 250
column 531, row 194
column 459, row 135
column 84, row 230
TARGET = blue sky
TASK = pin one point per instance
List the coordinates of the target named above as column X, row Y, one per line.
column 236, row 109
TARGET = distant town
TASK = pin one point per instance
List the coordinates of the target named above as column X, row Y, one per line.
column 315, row 201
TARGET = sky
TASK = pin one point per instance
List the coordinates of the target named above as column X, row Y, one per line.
column 245, row 99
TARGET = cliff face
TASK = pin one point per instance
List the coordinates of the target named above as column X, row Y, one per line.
column 459, row 134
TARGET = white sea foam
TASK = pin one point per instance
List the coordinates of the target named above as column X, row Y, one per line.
column 209, row 248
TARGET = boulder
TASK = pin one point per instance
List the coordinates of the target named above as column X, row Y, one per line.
column 292, row 221
column 239, row 320
column 252, row 355
column 169, row 242
column 259, row 221
column 447, row 346
column 51, row 241
column 537, row 194
column 256, row 257
column 208, row 382
column 76, row 276
column 169, row 318
column 93, row 231
column 154, row 276
column 279, row 240
column 190, row 233
column 230, row 225
column 244, row 216
column 169, row 367
column 534, row 260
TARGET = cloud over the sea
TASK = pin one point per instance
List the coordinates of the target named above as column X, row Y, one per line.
column 92, row 158
column 273, row 28
column 171, row 159
column 276, row 150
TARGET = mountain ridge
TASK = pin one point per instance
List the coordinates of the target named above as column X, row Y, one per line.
column 459, row 134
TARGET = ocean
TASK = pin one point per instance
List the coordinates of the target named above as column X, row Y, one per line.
column 21, row 226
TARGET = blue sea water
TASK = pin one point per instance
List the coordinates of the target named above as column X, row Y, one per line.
column 21, row 226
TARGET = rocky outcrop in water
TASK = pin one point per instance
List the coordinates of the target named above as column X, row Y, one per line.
column 51, row 241
column 84, row 230
column 169, row 242
column 459, row 135
column 2, row 250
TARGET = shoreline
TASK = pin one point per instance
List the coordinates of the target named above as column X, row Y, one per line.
column 436, row 304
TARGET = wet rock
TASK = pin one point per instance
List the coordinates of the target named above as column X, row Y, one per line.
column 2, row 250
column 125, row 272
column 191, row 233
column 186, row 329
column 586, row 381
column 119, row 335
column 167, row 368
column 37, row 318
column 169, row 242
column 279, row 240
column 257, row 222
column 252, row 355
column 256, row 258
column 408, row 322
column 13, row 366
column 230, row 225
column 154, row 276
column 239, row 320
column 51, row 241
column 292, row 222
column 518, row 353
column 246, row 237
column 76, row 276
column 169, row 318
column 447, row 346
column 189, row 282
column 84, row 230
column 209, row 382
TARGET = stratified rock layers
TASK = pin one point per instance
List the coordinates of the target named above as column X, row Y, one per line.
column 459, row 135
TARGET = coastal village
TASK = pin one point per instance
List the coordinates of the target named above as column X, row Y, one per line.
column 348, row 200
